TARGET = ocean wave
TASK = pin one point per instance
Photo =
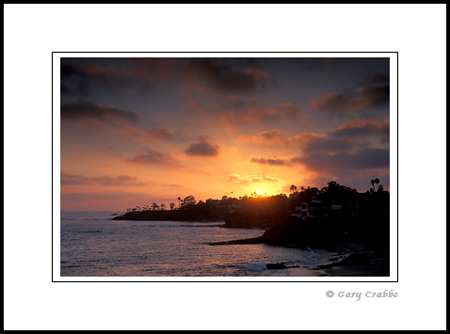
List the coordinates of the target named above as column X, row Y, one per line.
column 256, row 266
column 142, row 225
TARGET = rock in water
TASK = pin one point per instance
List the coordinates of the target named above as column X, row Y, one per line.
column 276, row 266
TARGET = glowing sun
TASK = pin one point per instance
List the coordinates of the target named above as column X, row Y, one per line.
column 259, row 192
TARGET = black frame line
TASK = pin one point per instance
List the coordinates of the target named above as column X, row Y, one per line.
column 225, row 3
column 233, row 281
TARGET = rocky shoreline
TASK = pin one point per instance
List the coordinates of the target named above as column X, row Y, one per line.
column 361, row 245
column 354, row 255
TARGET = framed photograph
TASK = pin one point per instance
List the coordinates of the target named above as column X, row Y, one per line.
column 225, row 167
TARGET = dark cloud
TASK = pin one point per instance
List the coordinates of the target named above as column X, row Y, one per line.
column 150, row 156
column 278, row 112
column 365, row 159
column 73, row 82
column 288, row 109
column 156, row 133
column 274, row 138
column 141, row 74
column 355, row 146
column 269, row 161
column 202, row 148
column 222, row 75
column 310, row 142
column 363, row 128
column 376, row 78
column 88, row 111
column 317, row 63
column 374, row 93
column 361, row 143
column 153, row 69
column 340, row 102
column 81, row 79
column 105, row 180
column 233, row 102
column 235, row 110
column 329, row 145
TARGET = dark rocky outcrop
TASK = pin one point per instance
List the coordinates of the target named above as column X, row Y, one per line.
column 173, row 215
column 256, row 240
column 276, row 266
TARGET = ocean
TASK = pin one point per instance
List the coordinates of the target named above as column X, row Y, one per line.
column 92, row 244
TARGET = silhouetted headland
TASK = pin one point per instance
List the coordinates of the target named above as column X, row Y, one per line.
column 335, row 218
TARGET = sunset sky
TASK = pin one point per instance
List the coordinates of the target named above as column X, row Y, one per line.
column 141, row 130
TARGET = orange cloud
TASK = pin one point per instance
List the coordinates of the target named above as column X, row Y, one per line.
column 150, row 156
column 130, row 131
column 104, row 180
column 247, row 180
column 273, row 138
column 234, row 110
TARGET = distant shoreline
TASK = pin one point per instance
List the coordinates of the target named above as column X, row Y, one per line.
column 171, row 215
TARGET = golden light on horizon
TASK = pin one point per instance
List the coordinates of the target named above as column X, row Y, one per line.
column 259, row 192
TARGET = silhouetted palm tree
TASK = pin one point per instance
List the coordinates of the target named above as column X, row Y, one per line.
column 293, row 188
column 189, row 200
